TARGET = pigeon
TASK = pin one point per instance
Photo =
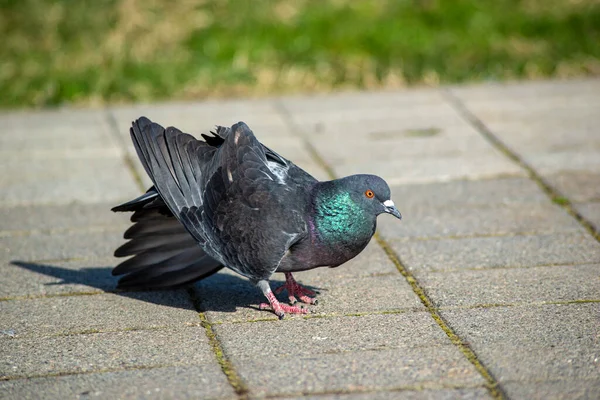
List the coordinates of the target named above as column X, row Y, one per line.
column 230, row 201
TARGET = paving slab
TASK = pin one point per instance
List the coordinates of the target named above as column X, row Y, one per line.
column 57, row 277
column 512, row 286
column 102, row 312
column 344, row 353
column 533, row 343
column 365, row 370
column 350, row 104
column 329, row 335
column 484, row 165
column 566, row 389
column 470, row 220
column 433, row 394
column 204, row 381
column 548, row 164
column 497, row 251
column 555, row 133
column 398, row 115
column 98, row 243
column 524, row 131
column 577, row 186
column 591, row 212
column 61, row 156
column 498, row 99
column 55, row 130
column 102, row 352
column 418, row 140
column 426, row 162
column 35, row 218
column 89, row 177
column 401, row 140
column 484, row 207
column 490, row 192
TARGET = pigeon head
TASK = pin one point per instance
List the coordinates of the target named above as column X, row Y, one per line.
column 372, row 193
column 346, row 209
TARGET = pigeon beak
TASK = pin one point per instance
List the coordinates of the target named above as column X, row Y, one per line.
column 390, row 208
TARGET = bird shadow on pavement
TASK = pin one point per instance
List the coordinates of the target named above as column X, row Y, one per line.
column 221, row 292
column 224, row 292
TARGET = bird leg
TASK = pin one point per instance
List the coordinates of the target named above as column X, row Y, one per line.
column 295, row 289
column 278, row 308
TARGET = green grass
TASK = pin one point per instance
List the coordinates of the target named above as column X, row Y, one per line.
column 92, row 52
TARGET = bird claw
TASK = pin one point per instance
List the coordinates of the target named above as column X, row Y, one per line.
column 280, row 309
column 294, row 288
column 303, row 299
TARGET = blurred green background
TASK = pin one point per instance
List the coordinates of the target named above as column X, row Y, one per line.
column 93, row 52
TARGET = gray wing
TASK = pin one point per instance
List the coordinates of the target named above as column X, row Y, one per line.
column 227, row 197
column 286, row 171
column 177, row 164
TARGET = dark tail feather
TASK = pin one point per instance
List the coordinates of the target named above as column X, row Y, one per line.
column 155, row 243
column 170, row 276
column 139, row 202
column 143, row 260
column 164, row 254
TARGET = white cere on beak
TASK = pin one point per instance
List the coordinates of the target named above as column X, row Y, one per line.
column 389, row 204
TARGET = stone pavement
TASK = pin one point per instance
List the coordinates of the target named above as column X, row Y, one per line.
column 488, row 288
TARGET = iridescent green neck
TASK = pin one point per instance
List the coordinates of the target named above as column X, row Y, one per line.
column 338, row 219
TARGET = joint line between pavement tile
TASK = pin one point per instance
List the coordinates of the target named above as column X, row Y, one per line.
column 231, row 374
column 404, row 388
column 92, row 372
column 287, row 118
column 495, row 141
column 492, row 384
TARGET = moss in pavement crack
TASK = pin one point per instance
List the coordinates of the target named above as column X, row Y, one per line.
column 232, row 376
column 491, row 383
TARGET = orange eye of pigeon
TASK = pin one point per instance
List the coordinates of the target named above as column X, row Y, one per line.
column 369, row 193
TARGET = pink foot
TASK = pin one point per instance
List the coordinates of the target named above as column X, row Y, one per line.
column 280, row 309
column 295, row 289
